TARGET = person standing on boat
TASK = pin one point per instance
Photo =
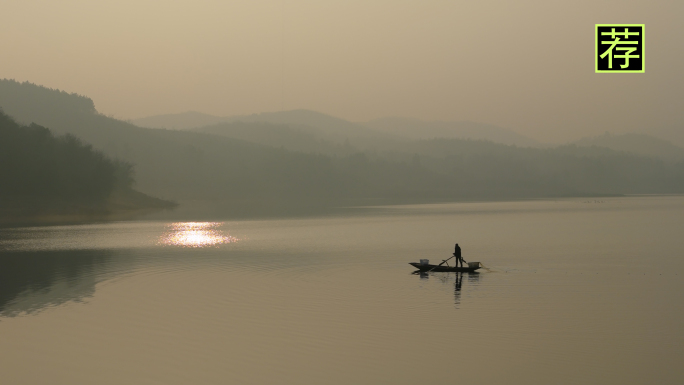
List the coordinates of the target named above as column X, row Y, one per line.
column 457, row 254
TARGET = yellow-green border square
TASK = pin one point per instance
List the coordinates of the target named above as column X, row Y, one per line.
column 643, row 48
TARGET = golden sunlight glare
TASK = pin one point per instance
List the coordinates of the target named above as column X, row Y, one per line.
column 196, row 234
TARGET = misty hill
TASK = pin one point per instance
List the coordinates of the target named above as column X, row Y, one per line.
column 182, row 165
column 467, row 166
column 258, row 172
column 44, row 102
column 674, row 134
column 301, row 139
column 322, row 125
column 294, row 118
column 419, row 129
column 570, row 168
column 338, row 130
column 303, row 124
column 641, row 144
column 330, row 125
column 180, row 121
column 43, row 175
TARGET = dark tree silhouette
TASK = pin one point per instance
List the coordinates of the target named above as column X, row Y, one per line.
column 36, row 165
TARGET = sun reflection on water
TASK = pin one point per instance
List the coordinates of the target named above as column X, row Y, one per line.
column 195, row 234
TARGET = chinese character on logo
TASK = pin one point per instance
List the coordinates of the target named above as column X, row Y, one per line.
column 620, row 48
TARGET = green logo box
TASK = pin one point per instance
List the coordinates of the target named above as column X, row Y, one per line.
column 620, row 48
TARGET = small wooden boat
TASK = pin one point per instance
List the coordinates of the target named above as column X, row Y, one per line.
column 472, row 266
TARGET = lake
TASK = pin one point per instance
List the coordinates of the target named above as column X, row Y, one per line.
column 576, row 291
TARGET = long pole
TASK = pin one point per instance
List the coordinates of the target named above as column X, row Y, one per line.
column 443, row 262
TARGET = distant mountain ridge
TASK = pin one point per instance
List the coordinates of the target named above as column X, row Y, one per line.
column 45, row 102
column 300, row 139
column 674, row 134
column 391, row 128
column 641, row 144
column 420, row 129
column 294, row 159
column 193, row 119
column 179, row 121
column 311, row 126
column 331, row 126
column 172, row 164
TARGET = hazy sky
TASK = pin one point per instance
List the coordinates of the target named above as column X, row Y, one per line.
column 524, row 65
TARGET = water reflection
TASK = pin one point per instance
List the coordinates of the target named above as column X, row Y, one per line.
column 196, row 234
column 473, row 278
column 457, row 288
column 31, row 281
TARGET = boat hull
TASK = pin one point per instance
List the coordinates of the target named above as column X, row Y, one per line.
column 429, row 267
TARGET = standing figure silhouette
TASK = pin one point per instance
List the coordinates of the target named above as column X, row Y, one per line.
column 457, row 254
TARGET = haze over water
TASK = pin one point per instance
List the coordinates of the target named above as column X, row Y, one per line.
column 578, row 291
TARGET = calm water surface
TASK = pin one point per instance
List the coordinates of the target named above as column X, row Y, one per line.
column 577, row 292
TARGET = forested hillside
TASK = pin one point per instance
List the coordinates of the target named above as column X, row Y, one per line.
column 35, row 163
column 268, row 166
column 472, row 169
column 641, row 144
column 43, row 175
